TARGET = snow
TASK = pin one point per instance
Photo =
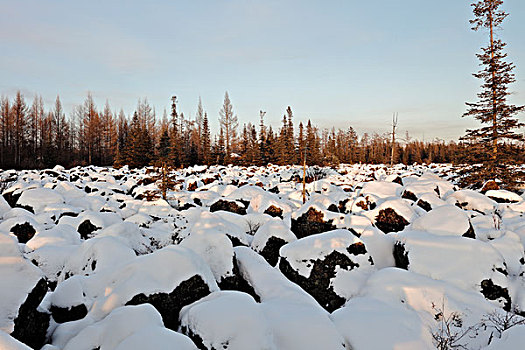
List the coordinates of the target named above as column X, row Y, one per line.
column 511, row 339
column 460, row 261
column 401, row 328
column 301, row 253
column 123, row 327
column 149, row 247
column 228, row 319
column 39, row 198
column 272, row 228
column 445, row 220
column 18, row 277
column 9, row 343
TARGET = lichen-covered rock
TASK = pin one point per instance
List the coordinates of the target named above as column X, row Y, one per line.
column 311, row 222
column 23, row 289
column 321, row 263
column 170, row 304
column 24, row 232
column 388, row 220
column 30, row 325
column 227, row 205
column 68, row 314
column 269, row 239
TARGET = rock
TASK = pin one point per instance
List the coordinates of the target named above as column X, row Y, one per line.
column 315, row 263
column 170, row 304
column 424, row 204
column 274, row 211
column 30, row 324
column 64, row 314
column 310, row 223
column 389, row 221
column 86, row 228
column 409, row 195
column 270, row 252
column 401, row 256
column 24, row 232
column 495, row 292
column 231, row 206
column 237, row 282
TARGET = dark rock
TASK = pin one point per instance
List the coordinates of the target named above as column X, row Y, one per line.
column 342, row 205
column 170, row 304
column 230, row 206
column 64, row 314
column 333, row 208
column 197, row 340
column 311, row 223
column 197, row 201
column 274, row 190
column 86, row 228
column 470, row 232
column 401, row 256
column 398, row 180
column 51, row 173
column 68, row 213
column 318, row 283
column 24, row 232
column 237, row 282
column 274, row 211
column 365, row 203
column 494, row 292
column 502, row 200
column 236, row 242
column 409, row 195
column 30, row 324
column 26, row 207
column 424, row 204
column 270, row 252
column 186, row 206
column 389, row 221
column 209, row 180
column 11, row 198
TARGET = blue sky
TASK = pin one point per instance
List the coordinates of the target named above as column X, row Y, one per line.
column 337, row 62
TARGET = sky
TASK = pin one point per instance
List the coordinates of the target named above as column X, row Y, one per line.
column 339, row 63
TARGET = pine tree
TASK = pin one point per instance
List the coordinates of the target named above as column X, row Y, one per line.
column 492, row 108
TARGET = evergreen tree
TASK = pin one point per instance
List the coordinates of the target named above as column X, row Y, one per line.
column 206, row 141
column 175, row 135
column 163, row 149
column 492, row 108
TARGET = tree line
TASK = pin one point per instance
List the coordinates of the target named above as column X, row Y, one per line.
column 33, row 137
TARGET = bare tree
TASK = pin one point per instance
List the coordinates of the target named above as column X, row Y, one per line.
column 229, row 123
column 394, row 126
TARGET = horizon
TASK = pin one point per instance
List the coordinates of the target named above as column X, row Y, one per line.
column 266, row 55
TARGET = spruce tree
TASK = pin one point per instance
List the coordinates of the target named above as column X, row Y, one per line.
column 206, row 141
column 492, row 108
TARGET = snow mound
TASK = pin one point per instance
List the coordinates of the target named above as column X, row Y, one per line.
column 228, row 320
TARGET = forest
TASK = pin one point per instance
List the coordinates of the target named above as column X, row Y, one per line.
column 35, row 137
